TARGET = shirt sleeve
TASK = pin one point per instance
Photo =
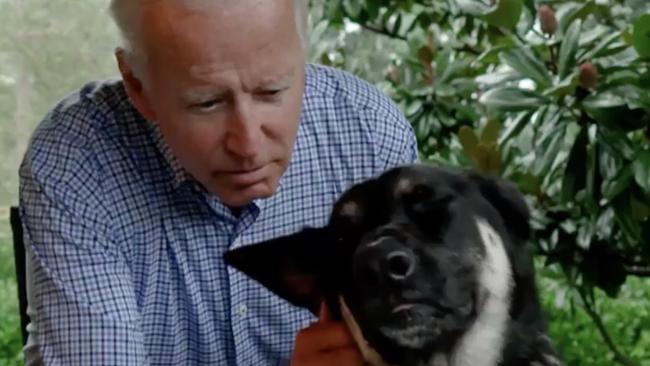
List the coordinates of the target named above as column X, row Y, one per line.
column 83, row 306
column 395, row 139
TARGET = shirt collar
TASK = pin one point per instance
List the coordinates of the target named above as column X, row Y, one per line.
column 179, row 174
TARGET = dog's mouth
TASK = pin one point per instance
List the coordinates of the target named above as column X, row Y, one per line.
column 419, row 325
column 413, row 325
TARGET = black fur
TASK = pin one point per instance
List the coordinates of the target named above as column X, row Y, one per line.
column 408, row 237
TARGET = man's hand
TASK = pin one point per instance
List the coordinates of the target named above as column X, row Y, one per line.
column 326, row 343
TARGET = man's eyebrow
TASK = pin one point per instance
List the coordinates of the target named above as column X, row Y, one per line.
column 280, row 79
column 203, row 94
column 208, row 93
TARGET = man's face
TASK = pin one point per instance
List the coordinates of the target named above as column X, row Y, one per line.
column 224, row 82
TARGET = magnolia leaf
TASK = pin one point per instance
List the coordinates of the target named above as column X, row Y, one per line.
column 469, row 141
column 506, row 15
column 512, row 99
column 569, row 49
column 474, row 7
column 641, row 35
column 575, row 173
column 490, row 132
column 527, row 64
column 641, row 169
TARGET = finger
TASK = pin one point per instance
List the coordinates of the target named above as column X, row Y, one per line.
column 348, row 356
column 324, row 314
column 321, row 337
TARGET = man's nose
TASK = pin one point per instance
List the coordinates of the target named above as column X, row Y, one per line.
column 244, row 132
column 385, row 259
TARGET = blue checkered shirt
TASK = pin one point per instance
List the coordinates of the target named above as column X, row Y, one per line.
column 126, row 249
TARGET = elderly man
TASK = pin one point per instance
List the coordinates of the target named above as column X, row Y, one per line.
column 219, row 134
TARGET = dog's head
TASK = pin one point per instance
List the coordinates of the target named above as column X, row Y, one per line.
column 408, row 259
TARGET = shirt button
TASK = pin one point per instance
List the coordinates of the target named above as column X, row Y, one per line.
column 243, row 310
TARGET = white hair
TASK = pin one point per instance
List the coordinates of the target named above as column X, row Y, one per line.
column 125, row 15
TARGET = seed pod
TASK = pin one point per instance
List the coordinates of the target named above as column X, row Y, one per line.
column 392, row 73
column 547, row 19
column 588, row 75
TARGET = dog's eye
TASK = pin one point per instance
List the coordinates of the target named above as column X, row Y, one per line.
column 419, row 193
column 423, row 201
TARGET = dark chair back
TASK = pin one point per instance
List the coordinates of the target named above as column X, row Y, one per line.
column 19, row 260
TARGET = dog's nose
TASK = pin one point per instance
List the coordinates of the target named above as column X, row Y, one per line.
column 384, row 260
column 400, row 264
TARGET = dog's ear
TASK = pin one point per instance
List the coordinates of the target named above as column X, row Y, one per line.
column 292, row 266
column 506, row 198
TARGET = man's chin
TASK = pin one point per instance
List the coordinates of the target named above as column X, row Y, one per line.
column 243, row 195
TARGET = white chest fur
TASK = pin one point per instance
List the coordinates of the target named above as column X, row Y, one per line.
column 482, row 345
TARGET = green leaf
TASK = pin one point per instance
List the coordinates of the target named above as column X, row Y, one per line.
column 565, row 87
column 594, row 175
column 571, row 11
column 506, row 15
column 474, row 7
column 618, row 108
column 613, row 188
column 490, row 55
column 548, row 149
column 512, row 99
column 352, row 7
column 599, row 49
column 488, row 158
column 527, row 183
column 516, row 126
column 372, row 7
column 641, row 35
column 625, row 218
column 615, row 78
column 575, row 173
column 397, row 24
column 414, row 107
column 490, row 132
column 568, row 49
column 641, row 169
column 640, row 210
column 469, row 141
column 528, row 65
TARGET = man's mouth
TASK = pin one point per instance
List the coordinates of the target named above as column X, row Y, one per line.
column 244, row 177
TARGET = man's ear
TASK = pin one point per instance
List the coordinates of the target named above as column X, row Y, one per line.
column 506, row 198
column 134, row 86
column 292, row 266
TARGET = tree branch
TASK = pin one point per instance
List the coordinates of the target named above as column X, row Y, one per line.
column 464, row 48
column 618, row 356
column 381, row 31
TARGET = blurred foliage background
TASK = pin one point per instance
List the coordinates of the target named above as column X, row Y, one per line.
column 551, row 94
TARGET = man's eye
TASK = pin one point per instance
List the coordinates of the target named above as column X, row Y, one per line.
column 208, row 105
column 272, row 92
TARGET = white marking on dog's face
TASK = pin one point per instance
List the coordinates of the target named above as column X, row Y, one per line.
column 483, row 343
column 369, row 354
column 352, row 211
column 404, row 186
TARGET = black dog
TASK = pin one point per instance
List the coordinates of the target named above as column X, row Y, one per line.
column 427, row 266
